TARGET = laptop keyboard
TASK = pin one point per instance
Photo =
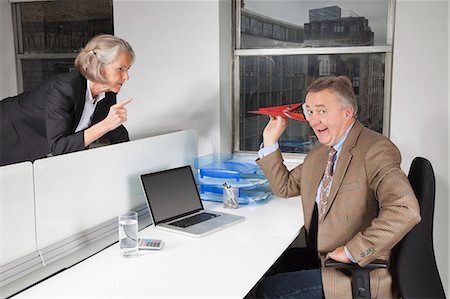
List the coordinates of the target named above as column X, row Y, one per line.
column 186, row 222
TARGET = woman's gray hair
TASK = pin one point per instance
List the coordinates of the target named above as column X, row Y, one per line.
column 100, row 51
column 341, row 86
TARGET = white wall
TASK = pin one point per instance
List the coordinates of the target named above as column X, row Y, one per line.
column 176, row 79
column 420, row 103
column 8, row 78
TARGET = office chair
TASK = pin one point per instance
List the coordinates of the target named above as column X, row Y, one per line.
column 415, row 269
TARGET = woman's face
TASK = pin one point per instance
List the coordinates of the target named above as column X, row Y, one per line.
column 116, row 73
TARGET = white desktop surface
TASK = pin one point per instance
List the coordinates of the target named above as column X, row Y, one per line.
column 225, row 264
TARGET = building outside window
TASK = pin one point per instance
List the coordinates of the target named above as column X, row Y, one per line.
column 324, row 38
column 49, row 35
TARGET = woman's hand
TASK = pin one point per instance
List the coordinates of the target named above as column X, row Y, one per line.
column 117, row 115
column 273, row 130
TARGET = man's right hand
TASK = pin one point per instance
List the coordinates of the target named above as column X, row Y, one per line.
column 274, row 129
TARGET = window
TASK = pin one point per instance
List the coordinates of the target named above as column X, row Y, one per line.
column 354, row 27
column 48, row 35
column 268, row 30
column 338, row 28
column 310, row 39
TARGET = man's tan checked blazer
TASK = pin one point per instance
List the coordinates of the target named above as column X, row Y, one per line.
column 370, row 208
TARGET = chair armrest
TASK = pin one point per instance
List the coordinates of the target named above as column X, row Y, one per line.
column 376, row 264
column 360, row 275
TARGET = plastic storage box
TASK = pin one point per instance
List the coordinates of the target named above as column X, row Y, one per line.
column 240, row 171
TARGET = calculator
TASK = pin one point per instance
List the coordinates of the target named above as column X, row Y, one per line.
column 150, row 244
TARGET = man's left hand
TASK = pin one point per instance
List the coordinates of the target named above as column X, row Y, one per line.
column 339, row 255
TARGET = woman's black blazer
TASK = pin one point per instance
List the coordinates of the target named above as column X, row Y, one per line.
column 43, row 121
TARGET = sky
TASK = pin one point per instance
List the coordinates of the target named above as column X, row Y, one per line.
column 296, row 12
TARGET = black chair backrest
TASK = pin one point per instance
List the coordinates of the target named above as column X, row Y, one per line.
column 416, row 271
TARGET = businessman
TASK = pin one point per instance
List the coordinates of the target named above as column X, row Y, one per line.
column 357, row 202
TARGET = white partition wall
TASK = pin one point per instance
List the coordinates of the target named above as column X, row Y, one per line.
column 58, row 211
column 78, row 191
column 17, row 225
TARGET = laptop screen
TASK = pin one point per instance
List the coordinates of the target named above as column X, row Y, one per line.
column 171, row 193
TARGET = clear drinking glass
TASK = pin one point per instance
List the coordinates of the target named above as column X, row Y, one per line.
column 128, row 234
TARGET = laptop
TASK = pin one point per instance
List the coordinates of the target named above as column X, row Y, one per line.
column 175, row 205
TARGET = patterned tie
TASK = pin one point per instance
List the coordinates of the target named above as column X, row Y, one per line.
column 326, row 183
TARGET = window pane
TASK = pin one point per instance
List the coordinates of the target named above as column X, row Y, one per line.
column 37, row 70
column 63, row 26
column 299, row 23
column 281, row 80
column 46, row 29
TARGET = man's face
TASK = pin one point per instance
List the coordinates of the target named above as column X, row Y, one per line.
column 327, row 117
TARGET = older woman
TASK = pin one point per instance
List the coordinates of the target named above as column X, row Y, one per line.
column 69, row 111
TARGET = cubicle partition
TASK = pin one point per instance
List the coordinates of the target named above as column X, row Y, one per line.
column 16, row 212
column 65, row 207
column 18, row 251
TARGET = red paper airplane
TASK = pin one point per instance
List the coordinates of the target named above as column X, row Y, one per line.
column 287, row 111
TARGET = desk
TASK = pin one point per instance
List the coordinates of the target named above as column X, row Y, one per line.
column 227, row 263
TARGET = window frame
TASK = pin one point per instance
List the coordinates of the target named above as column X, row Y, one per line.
column 238, row 52
column 18, row 45
column 20, row 56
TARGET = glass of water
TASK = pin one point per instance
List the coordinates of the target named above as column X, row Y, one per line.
column 128, row 234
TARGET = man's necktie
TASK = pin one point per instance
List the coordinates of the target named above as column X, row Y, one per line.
column 326, row 183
